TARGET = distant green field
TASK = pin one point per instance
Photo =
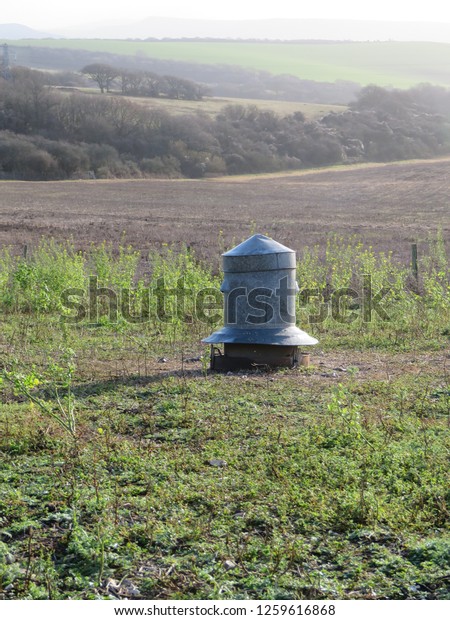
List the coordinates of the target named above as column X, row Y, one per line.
column 386, row 63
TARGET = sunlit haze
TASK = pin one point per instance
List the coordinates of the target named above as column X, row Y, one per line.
column 51, row 14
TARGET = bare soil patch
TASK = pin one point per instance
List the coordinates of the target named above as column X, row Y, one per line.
column 389, row 206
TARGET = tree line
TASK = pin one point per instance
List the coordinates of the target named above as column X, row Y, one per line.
column 220, row 80
column 143, row 83
column 49, row 134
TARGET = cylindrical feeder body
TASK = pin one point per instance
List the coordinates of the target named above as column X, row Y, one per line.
column 259, row 290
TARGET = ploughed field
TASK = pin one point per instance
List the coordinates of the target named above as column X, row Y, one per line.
column 388, row 205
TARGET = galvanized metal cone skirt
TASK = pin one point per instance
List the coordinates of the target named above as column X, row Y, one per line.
column 259, row 296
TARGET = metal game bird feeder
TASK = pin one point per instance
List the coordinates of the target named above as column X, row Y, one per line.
column 259, row 290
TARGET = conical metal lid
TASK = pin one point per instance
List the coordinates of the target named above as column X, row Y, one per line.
column 258, row 253
column 258, row 244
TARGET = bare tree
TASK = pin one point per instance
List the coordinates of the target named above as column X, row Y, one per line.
column 104, row 75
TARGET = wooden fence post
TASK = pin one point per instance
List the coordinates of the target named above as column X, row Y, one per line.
column 414, row 264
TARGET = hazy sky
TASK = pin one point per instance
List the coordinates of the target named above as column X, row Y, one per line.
column 49, row 14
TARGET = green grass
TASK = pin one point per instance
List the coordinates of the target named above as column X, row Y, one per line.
column 309, row 502
column 399, row 64
column 324, row 482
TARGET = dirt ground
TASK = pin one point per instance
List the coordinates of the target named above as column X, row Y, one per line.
column 388, row 205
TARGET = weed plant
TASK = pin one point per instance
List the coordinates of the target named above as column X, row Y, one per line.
column 418, row 310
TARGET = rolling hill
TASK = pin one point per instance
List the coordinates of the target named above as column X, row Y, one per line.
column 19, row 31
column 272, row 29
column 398, row 64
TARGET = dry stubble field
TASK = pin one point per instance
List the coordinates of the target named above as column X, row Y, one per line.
column 388, row 205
